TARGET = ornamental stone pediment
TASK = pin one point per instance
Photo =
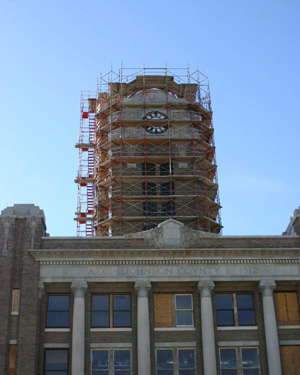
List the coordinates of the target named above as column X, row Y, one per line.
column 172, row 234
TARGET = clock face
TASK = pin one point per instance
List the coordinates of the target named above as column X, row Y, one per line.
column 155, row 115
column 156, row 130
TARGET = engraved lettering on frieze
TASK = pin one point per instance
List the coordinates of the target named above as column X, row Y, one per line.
column 95, row 271
column 168, row 271
column 246, row 270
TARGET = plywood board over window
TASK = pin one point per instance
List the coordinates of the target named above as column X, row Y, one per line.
column 290, row 360
column 12, row 359
column 287, row 308
column 163, row 312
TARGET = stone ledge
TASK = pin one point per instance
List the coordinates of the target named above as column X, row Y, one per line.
column 23, row 211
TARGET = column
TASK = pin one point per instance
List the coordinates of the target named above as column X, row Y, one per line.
column 143, row 327
column 207, row 324
column 78, row 328
column 272, row 341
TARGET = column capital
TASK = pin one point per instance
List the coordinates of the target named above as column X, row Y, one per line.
column 267, row 286
column 79, row 288
column 142, row 287
column 205, row 287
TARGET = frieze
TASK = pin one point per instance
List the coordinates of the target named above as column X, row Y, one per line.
column 167, row 272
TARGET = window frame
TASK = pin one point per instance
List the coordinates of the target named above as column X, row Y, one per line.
column 149, row 208
column 151, row 188
column 149, row 225
column 47, row 310
column 149, row 171
column 175, row 353
column 174, row 310
column 165, row 167
column 167, row 188
column 187, row 310
column 111, row 310
column 276, row 302
column 12, row 359
column 15, row 301
column 195, row 362
column 167, row 211
column 56, row 349
column 164, row 349
column 95, row 311
column 111, row 359
column 236, row 310
column 239, row 358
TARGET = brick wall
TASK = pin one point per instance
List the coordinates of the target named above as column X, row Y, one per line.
column 18, row 270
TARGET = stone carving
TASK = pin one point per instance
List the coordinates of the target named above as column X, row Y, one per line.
column 79, row 286
column 267, row 286
column 171, row 234
column 206, row 284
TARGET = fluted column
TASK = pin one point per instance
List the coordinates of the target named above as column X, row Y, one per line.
column 271, row 332
column 143, row 327
column 208, row 332
column 78, row 328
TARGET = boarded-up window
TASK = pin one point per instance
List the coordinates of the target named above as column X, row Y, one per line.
column 15, row 300
column 290, row 360
column 163, row 311
column 12, row 359
column 287, row 308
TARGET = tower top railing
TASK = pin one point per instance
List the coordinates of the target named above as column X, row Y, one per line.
column 180, row 76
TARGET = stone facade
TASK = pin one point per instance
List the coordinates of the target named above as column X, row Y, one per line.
column 294, row 225
column 152, row 268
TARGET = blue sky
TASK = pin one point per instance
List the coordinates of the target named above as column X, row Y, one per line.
column 51, row 50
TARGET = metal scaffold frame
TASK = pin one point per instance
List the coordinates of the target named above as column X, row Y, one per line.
column 120, row 151
column 86, row 165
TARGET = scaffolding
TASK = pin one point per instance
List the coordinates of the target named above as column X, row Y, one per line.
column 86, row 166
column 149, row 139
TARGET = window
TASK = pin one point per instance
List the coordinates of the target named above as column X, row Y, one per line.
column 15, row 301
column 56, row 362
column 167, row 208
column 149, row 188
column 239, row 361
column 175, row 362
column 111, row 362
column 149, row 208
column 287, row 310
column 184, row 310
column 166, row 169
column 111, row 311
column 149, row 225
column 12, row 359
column 290, row 359
column 186, row 362
column 58, row 311
column 148, row 169
column 235, row 309
column 167, row 188
column 173, row 310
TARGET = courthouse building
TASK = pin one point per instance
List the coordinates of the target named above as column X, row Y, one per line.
column 152, row 287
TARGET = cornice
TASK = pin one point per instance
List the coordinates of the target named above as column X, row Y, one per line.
column 109, row 255
column 173, row 262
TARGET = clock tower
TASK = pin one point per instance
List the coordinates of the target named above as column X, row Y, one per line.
column 154, row 153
